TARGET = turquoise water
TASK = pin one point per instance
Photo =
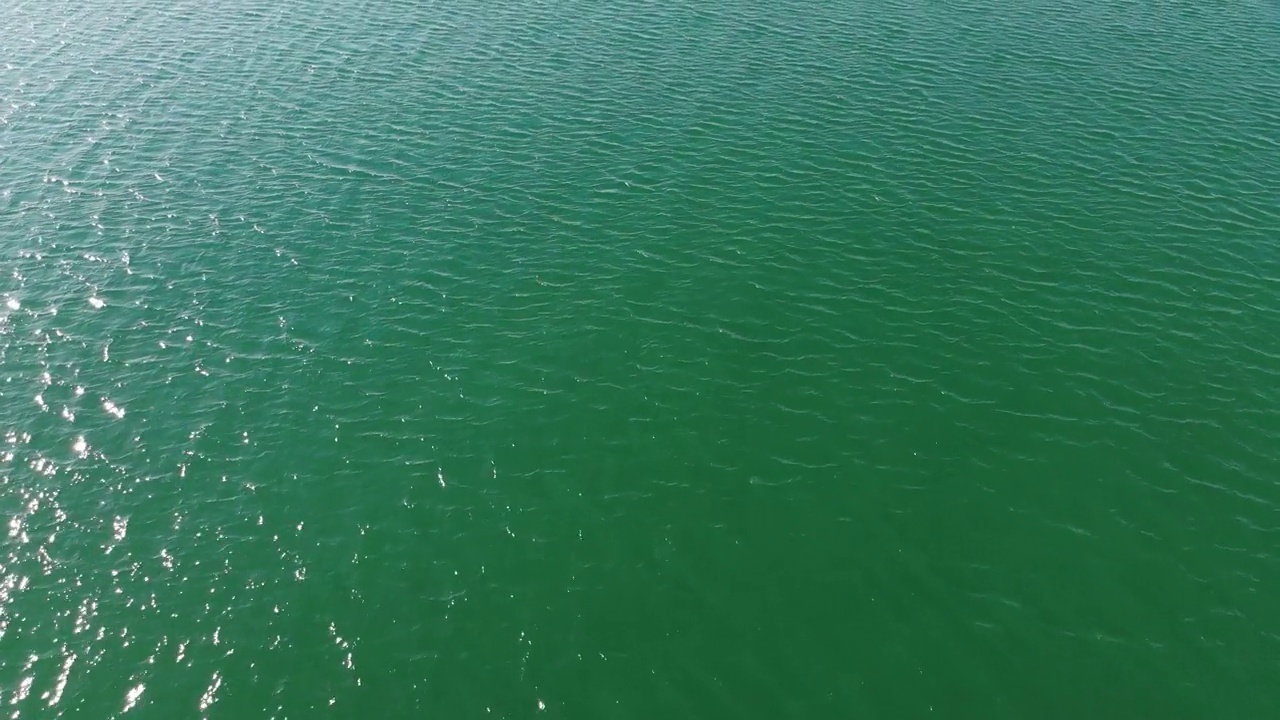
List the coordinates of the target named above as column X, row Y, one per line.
column 639, row 360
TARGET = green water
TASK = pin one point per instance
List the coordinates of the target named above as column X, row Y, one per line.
column 640, row 360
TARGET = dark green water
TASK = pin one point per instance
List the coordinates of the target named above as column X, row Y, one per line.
column 640, row 360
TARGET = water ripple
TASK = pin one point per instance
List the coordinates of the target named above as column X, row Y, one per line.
column 561, row 357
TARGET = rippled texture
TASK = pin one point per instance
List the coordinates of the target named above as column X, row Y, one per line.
column 638, row 360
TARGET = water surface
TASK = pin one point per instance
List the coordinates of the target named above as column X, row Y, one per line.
column 715, row 360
